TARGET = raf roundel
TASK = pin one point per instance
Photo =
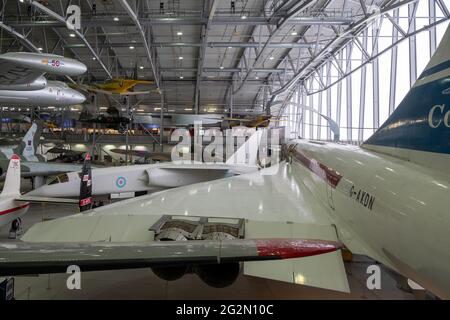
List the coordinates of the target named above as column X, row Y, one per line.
column 121, row 182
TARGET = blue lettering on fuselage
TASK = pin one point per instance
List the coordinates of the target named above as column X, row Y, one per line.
column 421, row 121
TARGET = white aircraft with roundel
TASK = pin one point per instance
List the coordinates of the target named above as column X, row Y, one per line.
column 126, row 181
column 388, row 199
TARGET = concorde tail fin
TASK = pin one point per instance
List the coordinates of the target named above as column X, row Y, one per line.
column 419, row 129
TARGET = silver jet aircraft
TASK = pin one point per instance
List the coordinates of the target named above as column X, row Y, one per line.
column 22, row 80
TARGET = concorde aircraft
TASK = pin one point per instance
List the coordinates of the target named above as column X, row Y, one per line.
column 155, row 177
column 22, row 80
column 387, row 200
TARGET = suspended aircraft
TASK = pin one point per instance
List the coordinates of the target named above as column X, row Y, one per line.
column 112, row 120
column 259, row 121
column 66, row 155
column 152, row 155
column 387, row 199
column 117, row 86
column 22, row 80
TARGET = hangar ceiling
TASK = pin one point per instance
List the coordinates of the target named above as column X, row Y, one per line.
column 205, row 56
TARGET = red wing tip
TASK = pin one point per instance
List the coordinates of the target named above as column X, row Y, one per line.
column 295, row 248
column 15, row 157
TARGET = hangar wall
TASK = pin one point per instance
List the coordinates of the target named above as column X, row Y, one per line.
column 361, row 84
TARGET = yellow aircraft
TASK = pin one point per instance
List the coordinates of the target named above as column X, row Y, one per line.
column 119, row 86
column 253, row 122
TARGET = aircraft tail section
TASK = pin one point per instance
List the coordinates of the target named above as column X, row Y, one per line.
column 247, row 153
column 12, row 180
column 86, row 185
column 419, row 129
column 30, row 142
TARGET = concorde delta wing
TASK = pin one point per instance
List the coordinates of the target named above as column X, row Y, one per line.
column 262, row 205
column 29, row 258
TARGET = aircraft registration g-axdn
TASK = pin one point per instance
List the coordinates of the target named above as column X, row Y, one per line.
column 22, row 80
column 381, row 200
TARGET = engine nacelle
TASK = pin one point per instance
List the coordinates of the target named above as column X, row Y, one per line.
column 177, row 228
column 218, row 275
column 38, row 84
column 171, row 273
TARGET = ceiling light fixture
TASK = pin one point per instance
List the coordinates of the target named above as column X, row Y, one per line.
column 40, row 49
column 116, row 19
column 221, row 67
column 180, row 58
column 271, row 58
column 294, row 33
column 141, row 67
column 131, row 47
column 72, row 35
column 179, row 33
column 243, row 17
column 181, row 77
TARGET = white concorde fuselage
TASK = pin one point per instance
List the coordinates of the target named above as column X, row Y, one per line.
column 392, row 210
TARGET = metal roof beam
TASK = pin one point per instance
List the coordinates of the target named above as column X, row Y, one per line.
column 258, row 70
column 201, row 55
column 137, row 23
column 335, row 44
column 109, row 21
column 20, row 37
column 294, row 10
column 61, row 19
column 199, row 44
